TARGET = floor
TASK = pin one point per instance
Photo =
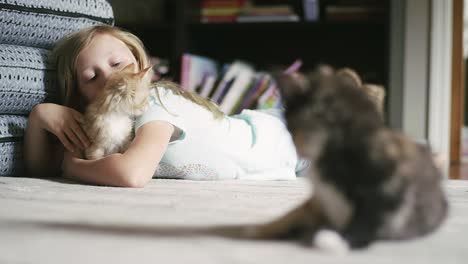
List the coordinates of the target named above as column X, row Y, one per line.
column 37, row 218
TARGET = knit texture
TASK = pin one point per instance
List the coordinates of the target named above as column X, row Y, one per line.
column 27, row 77
column 40, row 23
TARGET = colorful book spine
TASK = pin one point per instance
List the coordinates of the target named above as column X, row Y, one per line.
column 223, row 93
column 237, row 107
column 235, row 86
column 195, row 69
column 219, row 19
column 221, row 11
column 272, row 18
column 270, row 98
column 223, row 3
column 222, row 87
column 208, row 86
column 256, row 92
column 241, row 83
column 311, row 10
column 184, row 76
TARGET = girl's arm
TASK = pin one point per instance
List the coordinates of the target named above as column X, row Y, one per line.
column 41, row 154
column 134, row 168
column 50, row 127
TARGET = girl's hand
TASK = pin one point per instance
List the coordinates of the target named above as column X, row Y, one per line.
column 69, row 159
column 63, row 122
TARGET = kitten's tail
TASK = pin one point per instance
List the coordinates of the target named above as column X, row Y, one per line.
column 253, row 231
column 284, row 227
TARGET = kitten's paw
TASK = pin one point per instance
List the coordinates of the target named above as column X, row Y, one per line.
column 330, row 241
column 94, row 154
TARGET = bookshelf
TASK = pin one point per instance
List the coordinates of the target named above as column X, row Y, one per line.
column 360, row 42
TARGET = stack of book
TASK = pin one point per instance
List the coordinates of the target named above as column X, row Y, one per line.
column 234, row 87
column 217, row 11
column 274, row 13
column 356, row 10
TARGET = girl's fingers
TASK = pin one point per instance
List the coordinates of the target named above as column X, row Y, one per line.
column 81, row 134
column 78, row 116
column 66, row 143
column 72, row 137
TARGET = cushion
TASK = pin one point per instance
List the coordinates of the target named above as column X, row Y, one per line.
column 11, row 145
column 26, row 78
column 12, row 127
column 40, row 23
column 11, row 158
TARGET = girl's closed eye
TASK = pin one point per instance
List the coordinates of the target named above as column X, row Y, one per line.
column 88, row 75
column 92, row 78
column 117, row 62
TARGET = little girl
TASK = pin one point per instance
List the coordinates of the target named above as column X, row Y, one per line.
column 186, row 135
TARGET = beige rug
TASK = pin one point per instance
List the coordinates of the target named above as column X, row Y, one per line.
column 28, row 205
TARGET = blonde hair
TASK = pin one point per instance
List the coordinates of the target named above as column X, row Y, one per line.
column 66, row 53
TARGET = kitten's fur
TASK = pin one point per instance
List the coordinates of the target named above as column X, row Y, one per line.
column 108, row 119
column 370, row 182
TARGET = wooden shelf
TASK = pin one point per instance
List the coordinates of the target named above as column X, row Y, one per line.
column 302, row 24
column 362, row 45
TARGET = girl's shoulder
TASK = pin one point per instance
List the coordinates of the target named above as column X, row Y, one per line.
column 172, row 101
column 161, row 95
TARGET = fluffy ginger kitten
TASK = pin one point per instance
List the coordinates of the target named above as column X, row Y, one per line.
column 108, row 120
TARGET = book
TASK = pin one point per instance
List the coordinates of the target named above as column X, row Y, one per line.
column 267, row 10
column 225, row 91
column 235, row 86
column 230, row 74
column 194, row 69
column 311, row 10
column 207, row 86
column 218, row 19
column 219, row 11
column 241, row 82
column 269, row 18
column 274, row 13
column 269, row 99
column 237, row 106
column 261, row 82
column 222, row 3
column 199, row 86
column 354, row 13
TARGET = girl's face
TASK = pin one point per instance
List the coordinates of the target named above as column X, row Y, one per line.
column 103, row 56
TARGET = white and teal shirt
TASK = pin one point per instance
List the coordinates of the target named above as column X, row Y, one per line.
column 252, row 145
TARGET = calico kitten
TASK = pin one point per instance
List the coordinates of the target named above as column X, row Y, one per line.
column 108, row 120
column 370, row 182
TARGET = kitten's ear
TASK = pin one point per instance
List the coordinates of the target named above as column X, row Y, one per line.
column 349, row 76
column 323, row 70
column 129, row 68
column 376, row 94
column 145, row 71
column 290, row 85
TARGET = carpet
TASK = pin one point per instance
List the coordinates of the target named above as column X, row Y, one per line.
column 28, row 205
